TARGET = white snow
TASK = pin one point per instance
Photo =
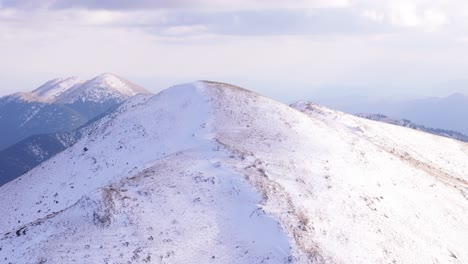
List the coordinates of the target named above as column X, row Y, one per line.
column 49, row 91
column 117, row 83
column 104, row 87
column 212, row 173
column 37, row 151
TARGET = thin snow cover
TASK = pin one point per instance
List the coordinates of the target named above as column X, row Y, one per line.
column 212, row 173
column 31, row 113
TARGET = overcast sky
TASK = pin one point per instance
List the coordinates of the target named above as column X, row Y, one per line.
column 286, row 49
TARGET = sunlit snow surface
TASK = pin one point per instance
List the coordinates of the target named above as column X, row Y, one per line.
column 69, row 90
column 51, row 90
column 212, row 173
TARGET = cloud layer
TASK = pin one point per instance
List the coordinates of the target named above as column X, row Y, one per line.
column 178, row 4
column 360, row 43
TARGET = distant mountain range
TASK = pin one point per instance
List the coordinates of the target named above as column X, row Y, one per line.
column 27, row 154
column 60, row 105
column 407, row 123
column 30, row 152
column 37, row 125
column 448, row 112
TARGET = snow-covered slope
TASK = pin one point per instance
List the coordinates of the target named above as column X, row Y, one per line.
column 213, row 173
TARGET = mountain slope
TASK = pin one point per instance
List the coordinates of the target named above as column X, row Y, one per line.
column 30, row 152
column 60, row 105
column 20, row 119
column 27, row 154
column 212, row 173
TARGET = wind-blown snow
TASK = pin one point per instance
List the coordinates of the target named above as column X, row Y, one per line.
column 212, row 173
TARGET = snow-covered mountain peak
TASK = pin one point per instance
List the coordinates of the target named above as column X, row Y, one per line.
column 104, row 87
column 117, row 83
column 203, row 90
column 203, row 86
column 52, row 89
column 208, row 172
column 48, row 92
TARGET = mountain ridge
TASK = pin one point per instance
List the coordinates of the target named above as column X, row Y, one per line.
column 439, row 112
column 203, row 172
column 70, row 89
column 51, row 90
column 102, row 87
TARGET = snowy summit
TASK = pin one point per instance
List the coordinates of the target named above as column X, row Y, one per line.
column 51, row 90
column 69, row 90
column 103, row 87
column 212, row 173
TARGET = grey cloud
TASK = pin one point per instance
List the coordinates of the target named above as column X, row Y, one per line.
column 124, row 4
column 98, row 4
column 168, row 4
column 277, row 22
column 321, row 21
column 23, row 4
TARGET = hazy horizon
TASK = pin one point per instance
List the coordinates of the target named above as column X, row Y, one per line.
column 277, row 91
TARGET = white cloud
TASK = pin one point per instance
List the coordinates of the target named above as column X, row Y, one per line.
column 410, row 14
column 373, row 15
column 185, row 30
column 317, row 43
column 404, row 14
column 434, row 19
column 100, row 17
column 272, row 4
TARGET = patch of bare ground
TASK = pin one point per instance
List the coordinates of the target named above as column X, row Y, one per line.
column 443, row 176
